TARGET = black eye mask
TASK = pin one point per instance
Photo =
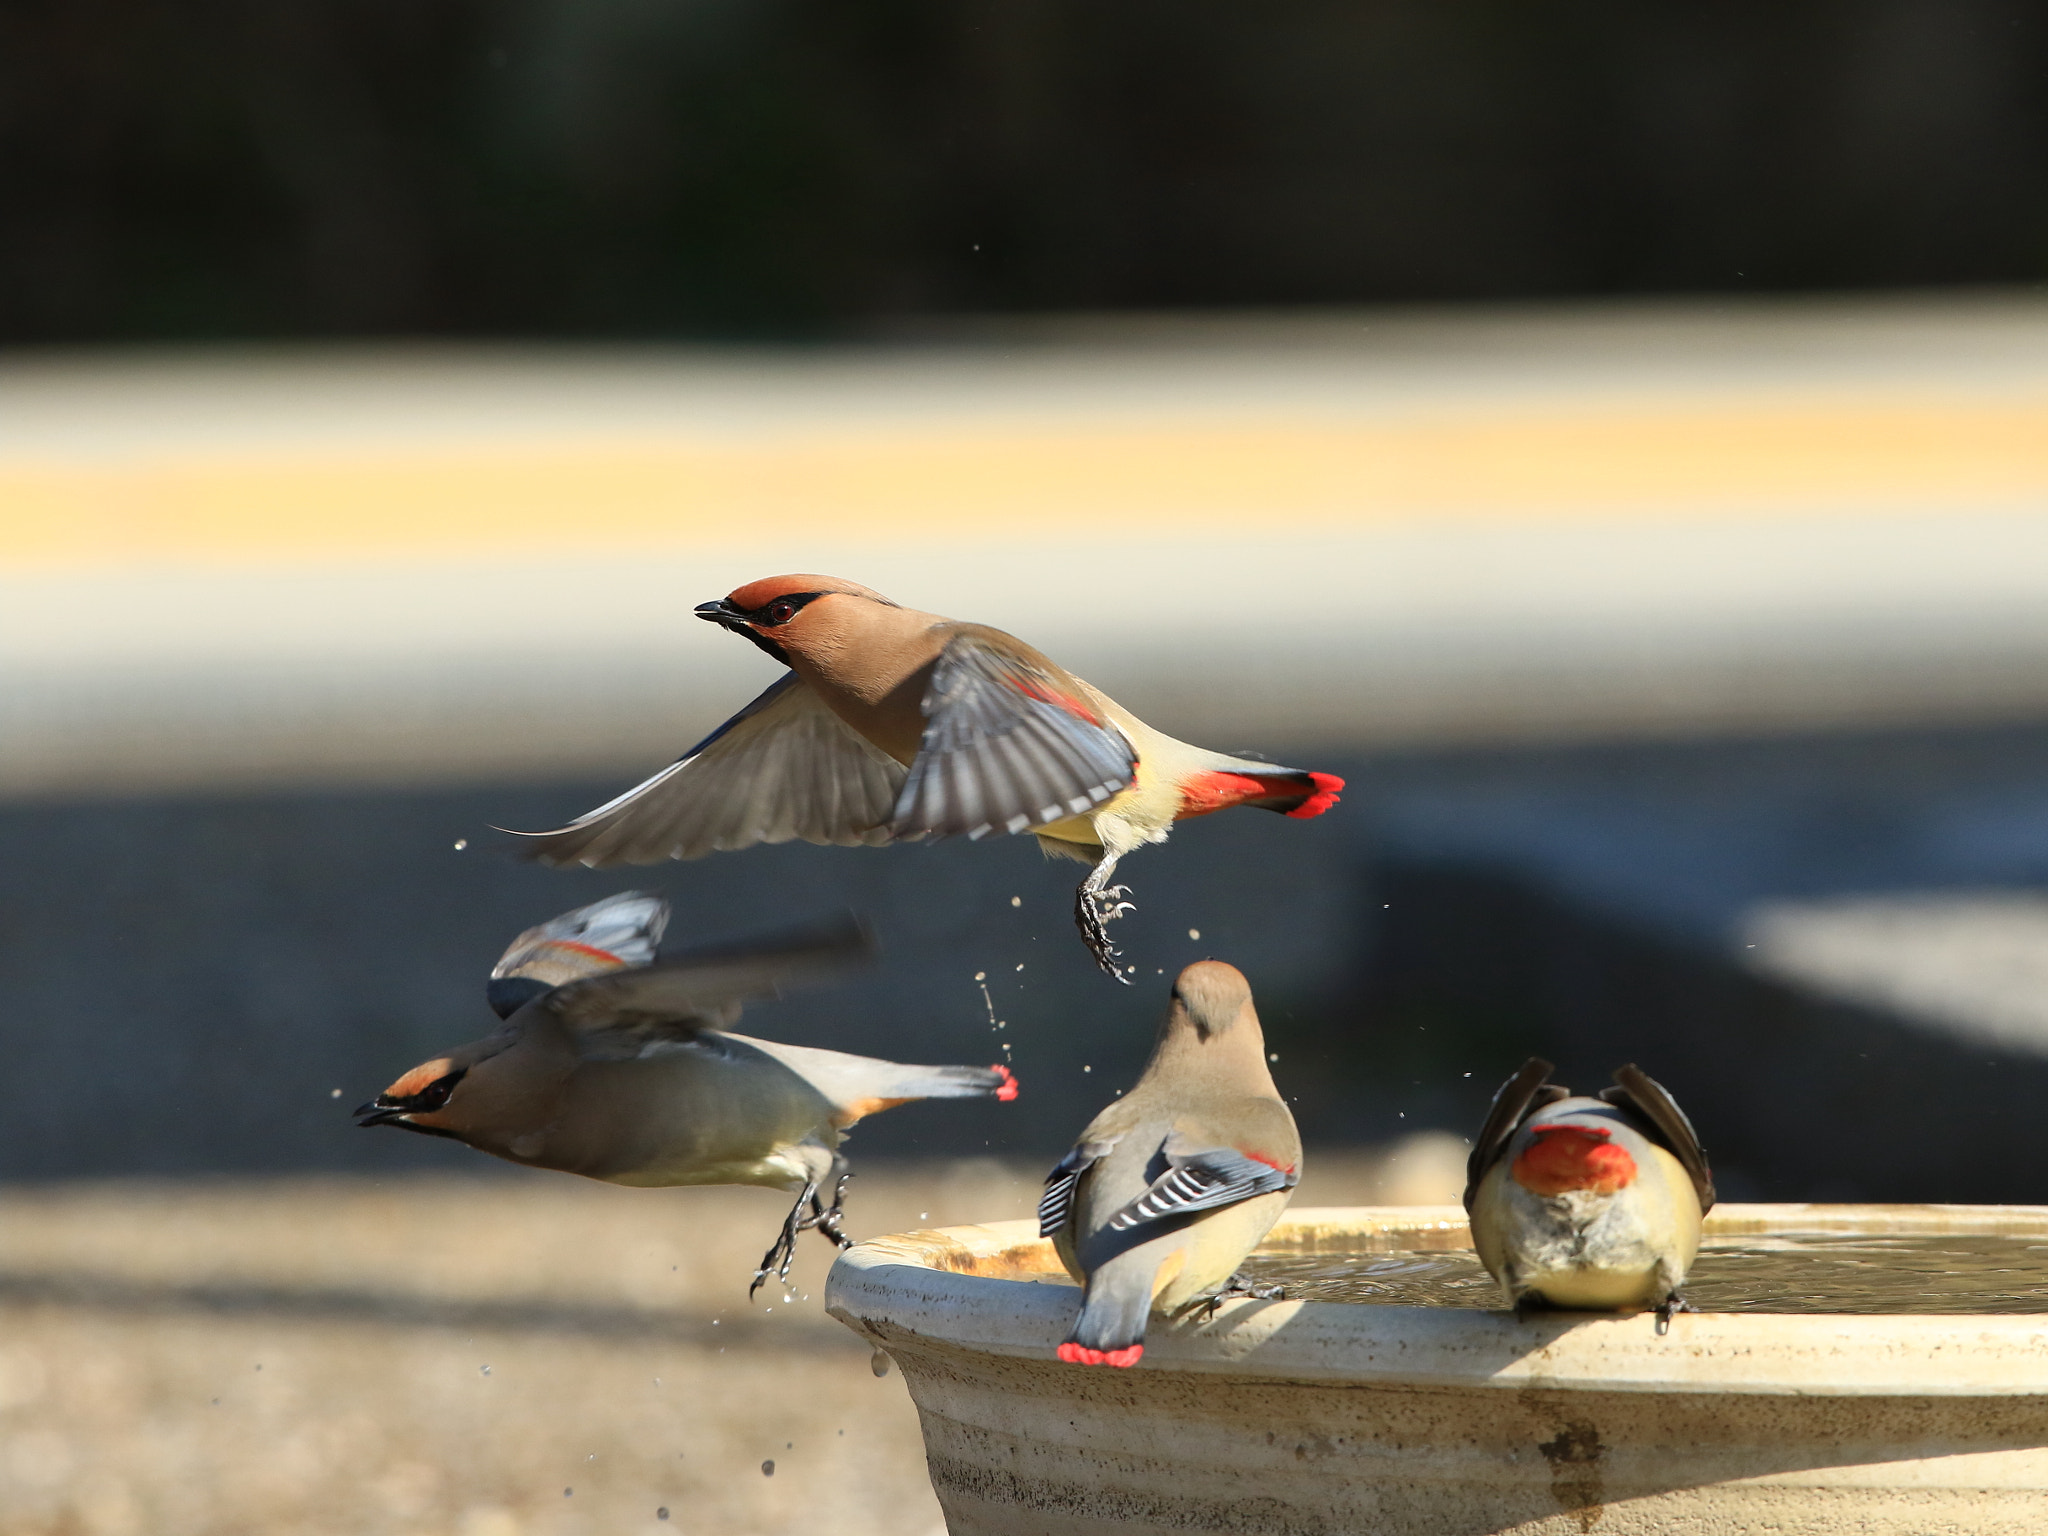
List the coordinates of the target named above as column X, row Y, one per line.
column 741, row 621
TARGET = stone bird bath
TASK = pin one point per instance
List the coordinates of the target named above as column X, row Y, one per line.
column 1321, row 1418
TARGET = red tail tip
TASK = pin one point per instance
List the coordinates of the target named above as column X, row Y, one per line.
column 1008, row 1090
column 1327, row 785
column 1081, row 1354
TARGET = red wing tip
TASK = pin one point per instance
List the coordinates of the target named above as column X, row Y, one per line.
column 1081, row 1354
column 1327, row 787
column 1008, row 1090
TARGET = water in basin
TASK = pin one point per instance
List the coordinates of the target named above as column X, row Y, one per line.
column 1819, row 1272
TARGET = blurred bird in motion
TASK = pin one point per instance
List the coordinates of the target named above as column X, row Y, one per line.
column 1588, row 1204
column 1172, row 1185
column 618, row 1066
column 893, row 724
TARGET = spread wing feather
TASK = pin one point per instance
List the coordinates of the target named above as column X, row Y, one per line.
column 1202, row 1181
column 1636, row 1090
column 1009, row 743
column 1520, row 1096
column 784, row 767
column 620, row 1013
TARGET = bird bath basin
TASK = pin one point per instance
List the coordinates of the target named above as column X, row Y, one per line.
column 1323, row 1417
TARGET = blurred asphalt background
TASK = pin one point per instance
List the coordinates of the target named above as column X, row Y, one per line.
column 1663, row 645
column 1614, row 436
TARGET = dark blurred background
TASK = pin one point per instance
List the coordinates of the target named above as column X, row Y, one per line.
column 661, row 168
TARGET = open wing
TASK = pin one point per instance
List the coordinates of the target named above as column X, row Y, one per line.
column 1519, row 1097
column 1203, row 1180
column 620, row 1013
column 1010, row 742
column 1634, row 1089
column 784, row 767
column 622, row 930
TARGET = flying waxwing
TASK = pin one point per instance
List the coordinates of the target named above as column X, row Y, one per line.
column 893, row 724
column 1172, row 1185
column 620, row 1067
column 1588, row 1204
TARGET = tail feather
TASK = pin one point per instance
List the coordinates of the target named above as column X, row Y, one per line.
column 862, row 1085
column 1291, row 792
column 1114, row 1309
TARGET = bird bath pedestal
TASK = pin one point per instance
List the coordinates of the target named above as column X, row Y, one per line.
column 1318, row 1417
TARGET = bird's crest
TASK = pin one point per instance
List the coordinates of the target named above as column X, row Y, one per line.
column 759, row 594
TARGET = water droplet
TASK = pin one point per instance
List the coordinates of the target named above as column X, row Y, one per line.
column 1272, row 1056
column 1194, row 933
column 1016, row 901
column 568, row 1493
column 981, row 975
column 334, row 1093
column 1020, row 967
column 661, row 1513
column 767, row 1469
column 1087, row 1069
column 461, row 843
column 879, row 1363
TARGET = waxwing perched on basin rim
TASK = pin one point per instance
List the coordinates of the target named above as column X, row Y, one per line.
column 1588, row 1204
column 618, row 1066
column 893, row 724
column 1172, row 1185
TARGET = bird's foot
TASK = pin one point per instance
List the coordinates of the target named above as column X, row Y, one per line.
column 827, row 1218
column 1096, row 905
column 1669, row 1308
column 777, row 1259
column 1240, row 1284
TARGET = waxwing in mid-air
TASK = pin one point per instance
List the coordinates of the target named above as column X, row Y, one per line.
column 618, row 1066
column 1176, row 1182
column 1588, row 1204
column 893, row 724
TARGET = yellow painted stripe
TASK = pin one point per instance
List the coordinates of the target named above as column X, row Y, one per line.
column 1044, row 484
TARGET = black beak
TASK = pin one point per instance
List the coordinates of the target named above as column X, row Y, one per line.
column 375, row 1113
column 726, row 616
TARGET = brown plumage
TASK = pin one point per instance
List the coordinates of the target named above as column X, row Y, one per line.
column 893, row 724
column 619, row 1067
column 1591, row 1204
column 1175, row 1183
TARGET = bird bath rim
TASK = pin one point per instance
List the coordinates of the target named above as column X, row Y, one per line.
column 999, row 1289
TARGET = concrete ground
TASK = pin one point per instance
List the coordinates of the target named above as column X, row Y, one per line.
column 510, row 1356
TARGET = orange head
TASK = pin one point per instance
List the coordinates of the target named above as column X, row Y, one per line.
column 1568, row 1157
column 457, row 1093
column 783, row 610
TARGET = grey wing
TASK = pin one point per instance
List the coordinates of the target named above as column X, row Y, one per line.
column 1635, row 1089
column 1527, row 1091
column 620, row 1013
column 627, row 927
column 1056, row 1205
column 784, row 767
column 1007, row 746
column 1203, row 1180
